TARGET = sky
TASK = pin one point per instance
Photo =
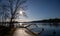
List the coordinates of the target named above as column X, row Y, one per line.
column 43, row 9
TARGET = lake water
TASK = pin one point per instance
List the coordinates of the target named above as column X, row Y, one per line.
column 49, row 30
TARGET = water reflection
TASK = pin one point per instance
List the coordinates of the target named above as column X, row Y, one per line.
column 49, row 29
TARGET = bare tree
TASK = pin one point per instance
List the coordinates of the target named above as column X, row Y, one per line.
column 3, row 13
column 13, row 7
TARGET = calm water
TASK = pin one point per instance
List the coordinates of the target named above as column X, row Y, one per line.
column 49, row 30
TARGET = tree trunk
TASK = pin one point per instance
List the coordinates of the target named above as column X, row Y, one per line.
column 11, row 23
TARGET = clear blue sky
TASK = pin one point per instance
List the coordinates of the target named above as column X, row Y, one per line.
column 43, row 9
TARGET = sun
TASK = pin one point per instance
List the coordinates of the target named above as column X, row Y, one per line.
column 21, row 12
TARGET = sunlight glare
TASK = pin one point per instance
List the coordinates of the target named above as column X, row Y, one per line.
column 21, row 12
column 20, row 24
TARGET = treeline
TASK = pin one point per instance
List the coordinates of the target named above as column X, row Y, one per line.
column 56, row 20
